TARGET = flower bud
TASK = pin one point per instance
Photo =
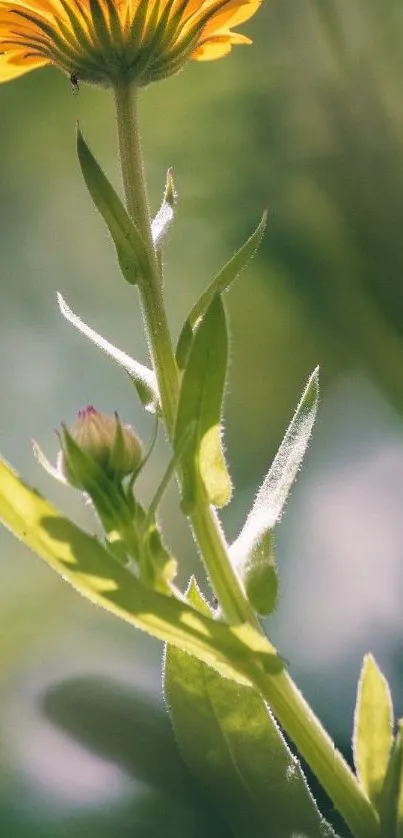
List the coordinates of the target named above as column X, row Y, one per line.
column 105, row 443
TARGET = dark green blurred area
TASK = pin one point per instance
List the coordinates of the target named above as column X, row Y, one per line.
column 309, row 123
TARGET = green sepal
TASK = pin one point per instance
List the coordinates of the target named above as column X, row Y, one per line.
column 82, row 562
column 130, row 247
column 235, row 750
column 200, row 405
column 108, row 496
column 391, row 799
column 220, row 283
column 130, row 531
column 143, row 378
column 252, row 552
column 373, row 729
column 118, row 452
column 165, row 215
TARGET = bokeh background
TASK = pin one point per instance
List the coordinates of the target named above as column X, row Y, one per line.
column 309, row 123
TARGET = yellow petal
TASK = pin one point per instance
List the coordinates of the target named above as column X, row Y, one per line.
column 234, row 14
column 220, row 22
column 212, row 49
column 43, row 7
column 16, row 64
column 218, row 45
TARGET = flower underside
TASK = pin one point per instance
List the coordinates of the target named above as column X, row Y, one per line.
column 113, row 41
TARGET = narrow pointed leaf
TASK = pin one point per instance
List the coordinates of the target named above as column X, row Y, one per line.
column 200, row 403
column 252, row 552
column 130, row 247
column 220, row 283
column 236, row 752
column 82, row 562
column 143, row 378
column 392, row 792
column 373, row 726
column 165, row 214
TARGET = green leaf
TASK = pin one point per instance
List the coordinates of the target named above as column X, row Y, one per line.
column 130, row 247
column 127, row 727
column 165, row 214
column 143, row 378
column 236, row 752
column 252, row 552
column 124, row 725
column 373, row 729
column 82, row 562
column 391, row 799
column 220, row 283
column 200, row 402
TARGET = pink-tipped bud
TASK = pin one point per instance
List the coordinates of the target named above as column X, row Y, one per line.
column 113, row 447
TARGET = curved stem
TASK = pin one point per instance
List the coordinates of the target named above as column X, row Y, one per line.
column 157, row 329
column 319, row 752
column 204, row 521
column 279, row 691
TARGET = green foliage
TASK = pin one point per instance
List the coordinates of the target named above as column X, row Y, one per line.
column 236, row 752
column 200, row 404
column 158, row 568
column 131, row 729
column 258, row 572
column 391, row 799
column 143, row 378
column 252, row 552
column 378, row 756
column 219, row 284
column 130, row 247
column 373, row 726
column 340, row 173
column 80, row 560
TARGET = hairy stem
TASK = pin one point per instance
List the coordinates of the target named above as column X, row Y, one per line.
column 288, row 705
column 154, row 313
column 319, row 751
column 204, row 521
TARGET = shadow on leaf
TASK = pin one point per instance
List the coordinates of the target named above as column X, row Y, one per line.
column 133, row 731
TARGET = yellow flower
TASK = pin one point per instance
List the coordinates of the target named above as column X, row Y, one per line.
column 115, row 41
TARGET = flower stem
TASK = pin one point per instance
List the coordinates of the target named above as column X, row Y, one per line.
column 319, row 752
column 154, row 313
column 288, row 705
column 204, row 521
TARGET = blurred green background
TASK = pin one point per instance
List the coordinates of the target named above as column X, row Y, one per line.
column 309, row 123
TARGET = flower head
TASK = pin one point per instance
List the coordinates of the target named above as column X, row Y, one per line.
column 114, row 41
column 104, row 441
